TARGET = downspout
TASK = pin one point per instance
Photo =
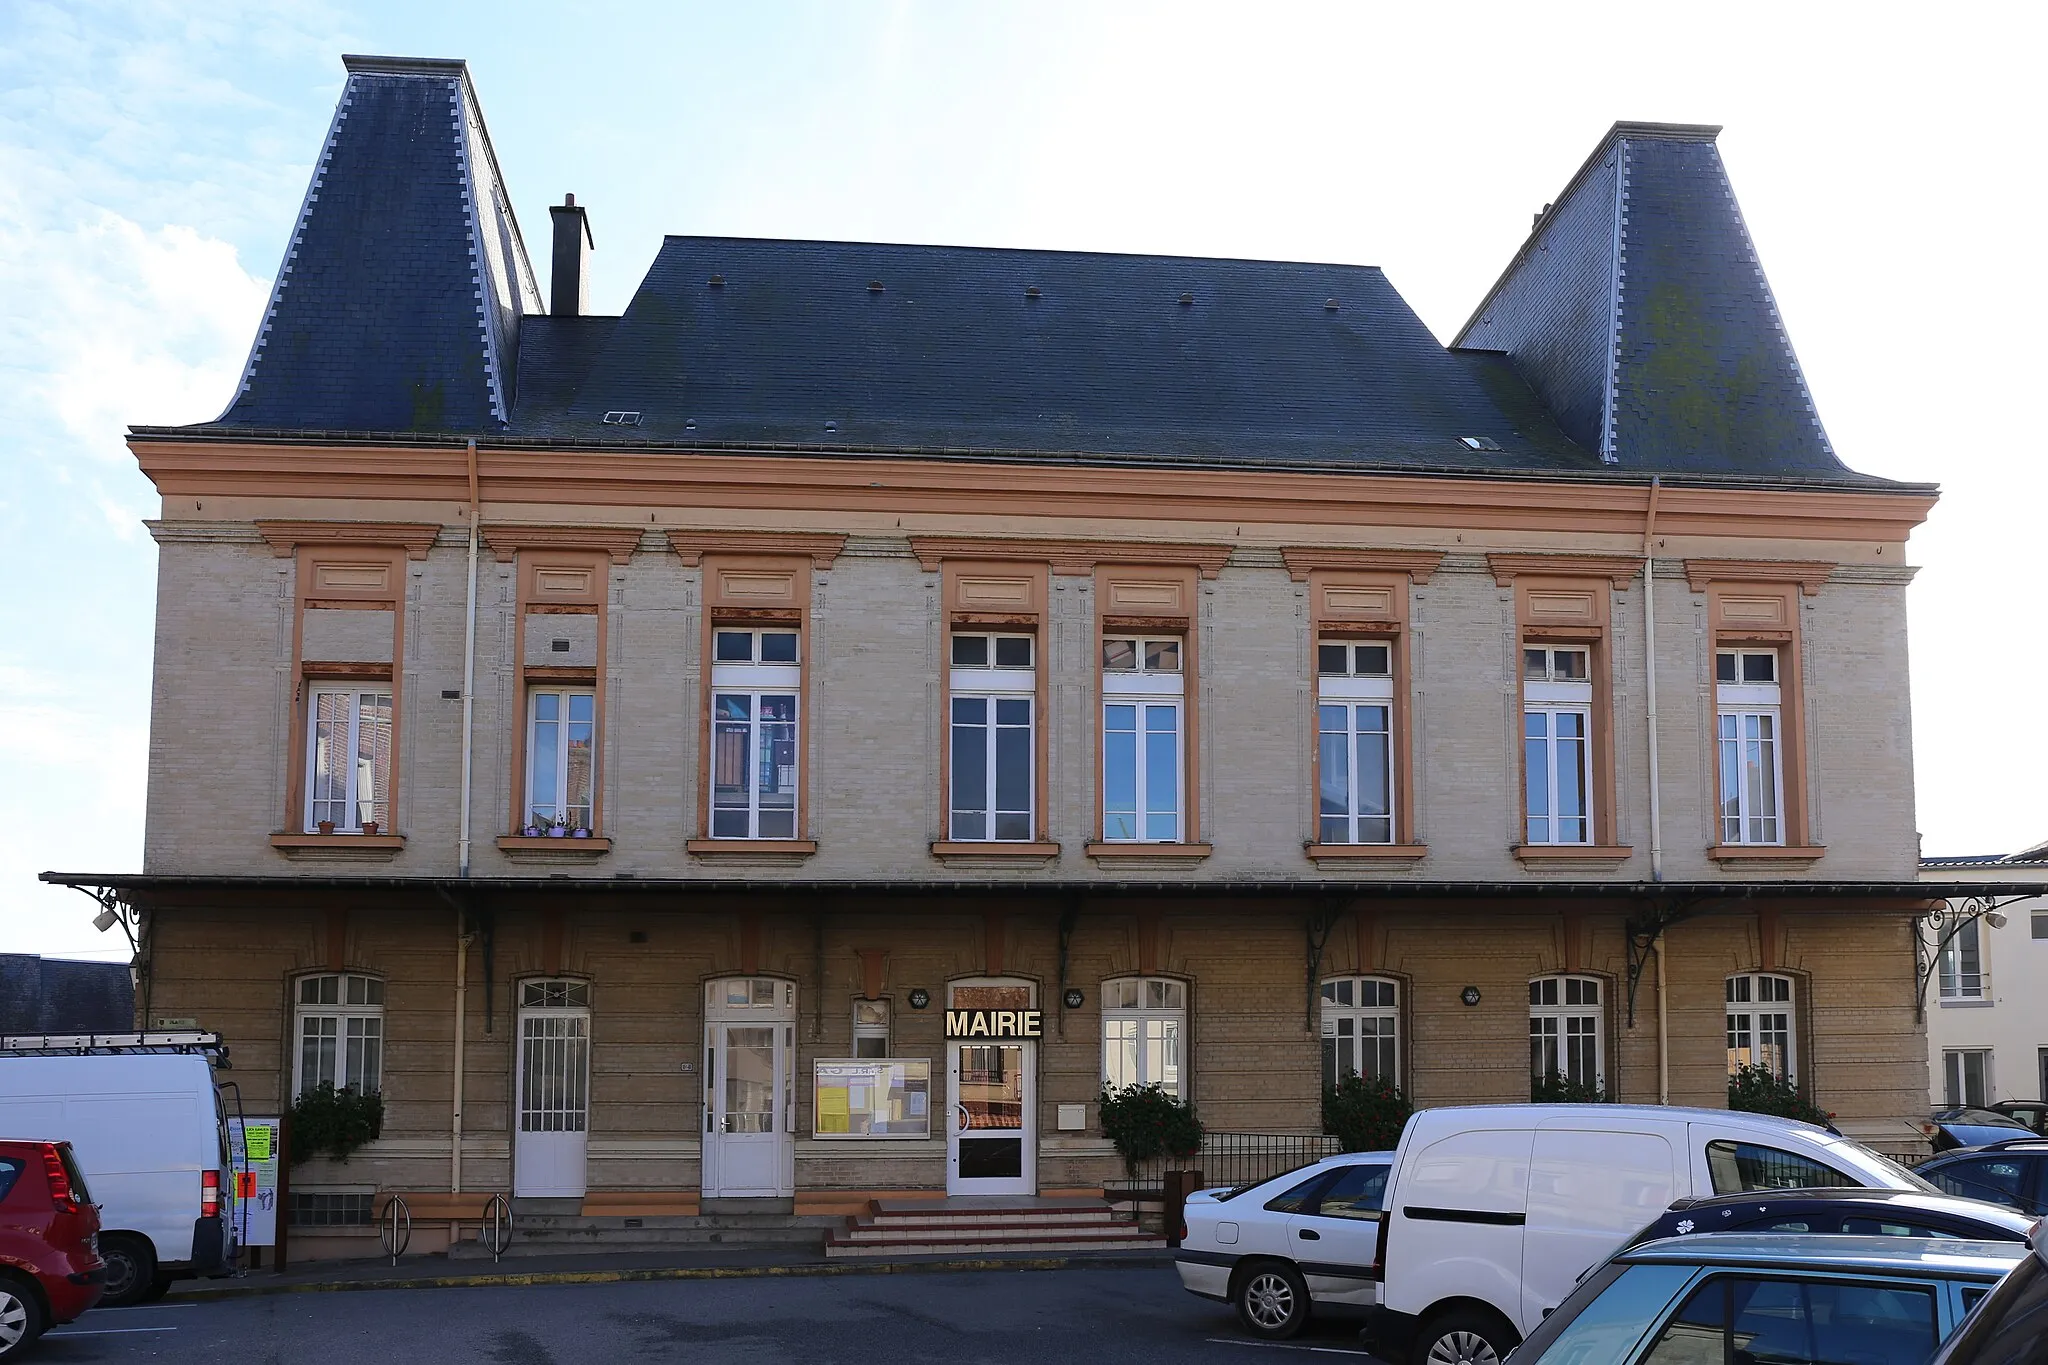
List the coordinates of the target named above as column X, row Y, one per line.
column 1663, row 1030
column 462, row 935
column 1656, row 781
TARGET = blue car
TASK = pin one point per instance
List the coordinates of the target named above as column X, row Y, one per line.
column 1949, row 1129
column 1849, row 1211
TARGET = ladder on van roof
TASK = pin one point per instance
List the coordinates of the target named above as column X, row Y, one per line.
column 114, row 1044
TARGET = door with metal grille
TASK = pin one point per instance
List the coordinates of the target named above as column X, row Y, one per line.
column 553, row 1090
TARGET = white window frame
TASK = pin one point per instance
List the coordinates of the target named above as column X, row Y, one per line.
column 350, row 1023
column 572, row 814
column 871, row 1025
column 991, row 686
column 755, row 683
column 1551, row 696
column 351, row 803
column 1749, row 729
column 1155, row 1028
column 1955, row 1077
column 1957, row 983
column 1366, row 683
column 1383, row 1015
column 1752, row 999
column 1560, row 1025
column 1147, row 692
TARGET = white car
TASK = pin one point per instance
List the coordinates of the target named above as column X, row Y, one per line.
column 1305, row 1240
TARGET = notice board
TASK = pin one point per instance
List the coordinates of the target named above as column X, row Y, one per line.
column 252, row 1142
column 871, row 1097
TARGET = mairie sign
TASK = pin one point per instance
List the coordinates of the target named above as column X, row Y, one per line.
column 995, row 1024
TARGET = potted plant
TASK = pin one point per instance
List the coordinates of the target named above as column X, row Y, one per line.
column 1366, row 1114
column 558, row 828
column 369, row 826
column 1145, row 1123
column 326, row 827
column 580, row 832
column 535, row 827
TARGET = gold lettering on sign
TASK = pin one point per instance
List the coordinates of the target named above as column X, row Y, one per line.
column 353, row 577
column 1024, row 1024
column 1754, row 611
column 759, row 587
column 1359, row 601
column 1560, row 606
column 995, row 592
column 567, row 582
column 1145, row 597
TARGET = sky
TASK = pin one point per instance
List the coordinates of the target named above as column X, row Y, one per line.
column 153, row 155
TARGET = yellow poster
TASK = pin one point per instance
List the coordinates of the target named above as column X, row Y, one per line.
column 257, row 1135
column 833, row 1109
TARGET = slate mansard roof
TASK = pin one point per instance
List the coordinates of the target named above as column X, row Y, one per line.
column 406, row 305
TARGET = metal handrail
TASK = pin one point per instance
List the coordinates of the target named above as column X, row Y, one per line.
column 497, row 1233
column 395, row 1237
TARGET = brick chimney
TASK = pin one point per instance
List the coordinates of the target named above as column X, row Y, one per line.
column 569, row 290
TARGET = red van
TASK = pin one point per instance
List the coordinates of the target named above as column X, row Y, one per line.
column 50, row 1266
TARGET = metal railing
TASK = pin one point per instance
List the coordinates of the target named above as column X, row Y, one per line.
column 1228, row 1159
column 496, row 1232
column 395, row 1228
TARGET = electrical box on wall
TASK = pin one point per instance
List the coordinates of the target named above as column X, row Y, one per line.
column 1073, row 1118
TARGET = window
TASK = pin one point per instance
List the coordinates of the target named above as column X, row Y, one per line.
column 1565, row 1042
column 2037, row 924
column 2003, row 1180
column 1143, row 1022
column 561, row 757
column 1557, row 747
column 870, row 1028
column 10, row 1171
column 1142, row 771
column 554, row 995
column 1748, row 723
column 1740, row 1167
column 1355, row 742
column 348, row 766
column 1359, row 1191
column 330, row 1209
column 756, row 679
column 994, row 750
column 1800, row 1322
column 1760, row 1029
column 1966, row 1073
column 1361, row 1030
column 1962, row 963
column 1299, row 1198
column 341, row 1033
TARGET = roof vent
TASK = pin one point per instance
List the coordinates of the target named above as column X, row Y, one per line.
column 1478, row 443
column 874, row 286
column 1187, row 300
column 1031, row 292
column 690, row 425
column 716, row 281
column 1329, row 305
column 622, row 419
column 831, row 428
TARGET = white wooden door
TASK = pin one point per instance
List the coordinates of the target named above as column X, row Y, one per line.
column 750, row 1089
column 553, row 1090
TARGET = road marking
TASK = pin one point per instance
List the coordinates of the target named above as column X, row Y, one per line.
column 142, row 1307
column 1287, row 1346
column 104, row 1331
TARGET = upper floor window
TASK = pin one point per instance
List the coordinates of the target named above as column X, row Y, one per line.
column 756, row 681
column 1142, row 766
column 1355, row 742
column 993, row 751
column 1361, row 1028
column 340, row 1028
column 1557, row 744
column 1144, row 1020
column 1748, row 724
column 1565, row 1034
column 561, row 757
column 348, row 766
column 1962, row 963
column 1761, row 1029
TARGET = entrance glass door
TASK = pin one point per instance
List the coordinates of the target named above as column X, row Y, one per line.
column 992, row 1097
column 750, row 1090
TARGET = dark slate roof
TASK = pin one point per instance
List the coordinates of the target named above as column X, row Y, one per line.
column 56, row 995
column 1133, row 356
column 1639, row 310
column 397, row 306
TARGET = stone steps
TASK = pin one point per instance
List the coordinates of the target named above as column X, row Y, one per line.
column 989, row 1227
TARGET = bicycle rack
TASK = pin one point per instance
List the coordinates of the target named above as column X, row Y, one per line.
column 394, row 1233
column 497, row 1233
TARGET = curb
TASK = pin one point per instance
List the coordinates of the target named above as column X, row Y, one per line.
column 653, row 1273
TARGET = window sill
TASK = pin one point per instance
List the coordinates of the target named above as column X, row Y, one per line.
column 1608, row 854
column 761, row 852
column 1372, row 853
column 1968, row 1002
column 977, row 853
column 1765, row 853
column 1131, row 853
column 522, row 848
column 339, row 848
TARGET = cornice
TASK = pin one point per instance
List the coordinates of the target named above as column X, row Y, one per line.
column 617, row 541
column 821, row 548
column 1071, row 556
column 1419, row 565
column 287, row 536
column 1808, row 574
column 1619, row 569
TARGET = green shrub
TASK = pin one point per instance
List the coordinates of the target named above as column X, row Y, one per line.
column 1144, row 1122
column 1554, row 1087
column 1757, row 1090
column 334, row 1121
column 1366, row 1115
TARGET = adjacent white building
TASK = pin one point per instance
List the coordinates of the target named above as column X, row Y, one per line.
column 1987, row 996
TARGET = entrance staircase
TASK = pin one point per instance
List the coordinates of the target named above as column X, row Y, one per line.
column 551, row 1227
column 989, row 1226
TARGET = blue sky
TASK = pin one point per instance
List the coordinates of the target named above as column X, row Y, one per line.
column 153, row 154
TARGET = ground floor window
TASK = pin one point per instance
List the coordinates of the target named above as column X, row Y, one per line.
column 1760, row 1023
column 340, row 1027
column 1565, row 1053
column 1144, row 1020
column 1966, row 1076
column 1361, row 1030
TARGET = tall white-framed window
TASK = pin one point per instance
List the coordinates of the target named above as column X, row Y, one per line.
column 993, row 752
column 1143, row 765
column 756, row 681
column 1966, row 1076
column 1557, row 743
column 1962, row 968
column 1566, row 1036
column 348, row 758
column 1355, row 742
column 1361, row 1028
column 339, row 1023
column 870, row 1028
column 561, row 757
column 1144, row 1020
column 1749, row 733
column 1762, row 1030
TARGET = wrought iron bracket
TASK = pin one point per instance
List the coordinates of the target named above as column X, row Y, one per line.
column 1934, row 930
column 1645, row 930
column 1317, row 926
column 110, row 902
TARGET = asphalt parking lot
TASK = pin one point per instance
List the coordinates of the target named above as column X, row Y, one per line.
column 1121, row 1315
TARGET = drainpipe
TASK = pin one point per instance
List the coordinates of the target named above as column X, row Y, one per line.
column 1663, row 1030
column 462, row 938
column 1656, row 779
column 462, row 934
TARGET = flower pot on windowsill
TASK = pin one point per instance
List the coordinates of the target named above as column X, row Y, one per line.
column 579, row 833
column 326, row 827
column 532, row 832
column 370, row 827
column 558, row 831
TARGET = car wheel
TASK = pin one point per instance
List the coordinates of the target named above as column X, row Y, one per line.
column 131, row 1269
column 158, row 1287
column 21, row 1317
column 1272, row 1301
column 1463, row 1337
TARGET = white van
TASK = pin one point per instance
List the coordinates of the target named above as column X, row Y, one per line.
column 1493, row 1212
column 148, row 1130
